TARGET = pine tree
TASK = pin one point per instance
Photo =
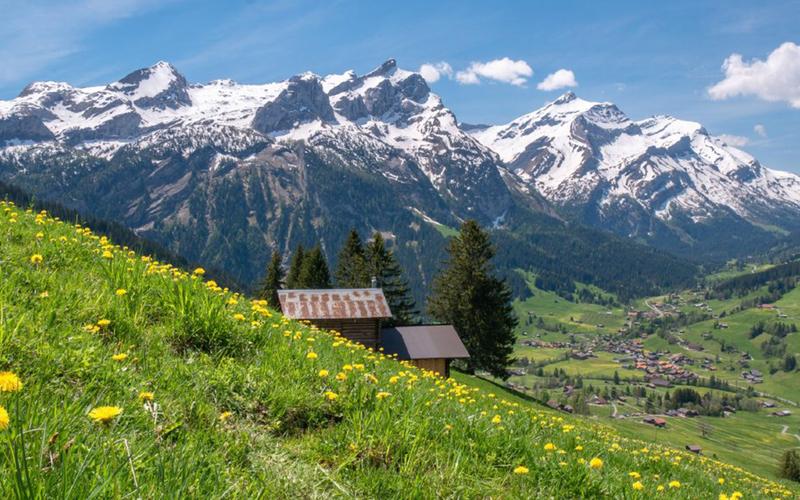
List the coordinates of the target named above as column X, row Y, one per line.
column 468, row 295
column 273, row 280
column 790, row 465
column 293, row 278
column 383, row 266
column 351, row 268
column 314, row 272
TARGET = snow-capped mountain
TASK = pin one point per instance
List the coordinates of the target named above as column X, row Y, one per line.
column 389, row 115
column 646, row 178
column 224, row 172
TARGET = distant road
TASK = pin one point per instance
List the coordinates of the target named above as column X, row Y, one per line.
column 654, row 308
column 786, row 428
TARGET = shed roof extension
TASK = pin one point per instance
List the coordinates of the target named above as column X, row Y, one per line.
column 423, row 342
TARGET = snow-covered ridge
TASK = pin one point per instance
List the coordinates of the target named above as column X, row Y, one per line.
column 577, row 152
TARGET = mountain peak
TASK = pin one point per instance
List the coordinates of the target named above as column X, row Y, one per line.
column 384, row 69
column 158, row 86
column 565, row 98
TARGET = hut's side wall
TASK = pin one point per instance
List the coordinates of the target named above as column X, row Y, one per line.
column 364, row 331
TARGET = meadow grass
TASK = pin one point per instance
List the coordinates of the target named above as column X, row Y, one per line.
column 143, row 380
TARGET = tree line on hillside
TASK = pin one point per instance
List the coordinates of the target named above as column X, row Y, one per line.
column 467, row 293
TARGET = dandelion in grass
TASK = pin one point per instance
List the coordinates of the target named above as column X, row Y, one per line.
column 634, row 475
column 105, row 414
column 199, row 271
column 549, row 447
column 596, row 463
column 239, row 317
column 497, row 419
column 637, row 486
column 330, row 395
column 660, row 487
column 36, row 259
column 10, row 382
column 393, row 379
column 736, row 495
column 311, row 355
column 341, row 376
column 721, row 480
column 323, row 373
column 521, row 470
column 103, row 323
column 674, row 484
column 4, row 420
column 383, row 395
column 145, row 396
column 107, row 254
column 225, row 415
column 120, row 292
column 120, row 357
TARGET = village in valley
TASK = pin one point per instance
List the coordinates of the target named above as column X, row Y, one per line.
column 694, row 364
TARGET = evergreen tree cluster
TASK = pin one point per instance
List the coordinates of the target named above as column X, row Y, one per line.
column 358, row 266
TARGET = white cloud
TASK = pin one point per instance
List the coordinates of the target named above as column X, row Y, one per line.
column 35, row 34
column 503, row 70
column 736, row 141
column 431, row 72
column 558, row 80
column 761, row 130
column 776, row 79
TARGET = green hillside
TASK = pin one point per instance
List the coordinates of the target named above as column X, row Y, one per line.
column 141, row 380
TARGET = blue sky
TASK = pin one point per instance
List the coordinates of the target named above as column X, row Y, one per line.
column 647, row 57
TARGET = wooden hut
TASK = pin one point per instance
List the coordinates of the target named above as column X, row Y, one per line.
column 430, row 347
column 355, row 313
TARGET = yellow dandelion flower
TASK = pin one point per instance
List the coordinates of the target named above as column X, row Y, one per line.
column 638, row 485
column 239, row 317
column 120, row 292
column 347, row 368
column 341, row 376
column 107, row 254
column 4, row 419
column 382, row 395
column 660, row 487
column 199, row 271
column 721, row 480
column 105, row 414
column 549, row 447
column 634, row 475
column 675, row 484
column 521, row 469
column 723, row 496
column 225, row 415
column 323, row 373
column 311, row 355
column 736, row 495
column 330, row 395
column 596, row 463
column 393, row 379
column 145, row 396
column 10, row 382
column 103, row 323
column 497, row 419
column 36, row 259
column 120, row 357
column 579, row 448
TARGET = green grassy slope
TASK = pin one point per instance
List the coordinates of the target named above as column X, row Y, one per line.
column 248, row 404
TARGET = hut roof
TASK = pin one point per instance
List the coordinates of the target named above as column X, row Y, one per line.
column 351, row 303
column 423, row 342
